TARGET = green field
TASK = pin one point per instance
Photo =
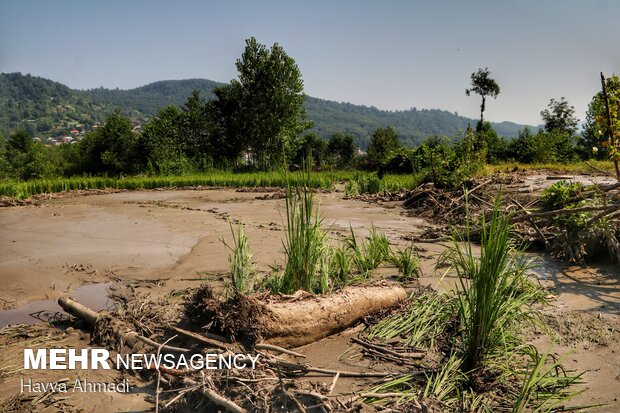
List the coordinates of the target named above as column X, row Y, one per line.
column 355, row 181
column 319, row 180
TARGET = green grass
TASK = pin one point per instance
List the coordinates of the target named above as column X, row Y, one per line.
column 489, row 367
column 240, row 261
column 340, row 263
column 305, row 244
column 419, row 325
column 369, row 254
column 318, row 180
column 491, row 294
column 546, row 386
column 407, row 261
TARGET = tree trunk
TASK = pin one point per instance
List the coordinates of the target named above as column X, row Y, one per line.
column 291, row 321
column 305, row 321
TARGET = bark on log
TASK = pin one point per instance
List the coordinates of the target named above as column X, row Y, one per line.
column 78, row 310
column 295, row 324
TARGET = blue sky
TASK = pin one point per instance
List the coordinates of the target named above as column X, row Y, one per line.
column 390, row 54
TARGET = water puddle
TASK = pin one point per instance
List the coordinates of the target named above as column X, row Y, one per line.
column 94, row 296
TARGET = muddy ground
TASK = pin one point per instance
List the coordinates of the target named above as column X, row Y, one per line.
column 160, row 241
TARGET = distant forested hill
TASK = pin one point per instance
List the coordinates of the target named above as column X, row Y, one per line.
column 154, row 96
column 48, row 108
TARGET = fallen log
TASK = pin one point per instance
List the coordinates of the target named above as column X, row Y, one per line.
column 306, row 321
column 123, row 331
column 565, row 211
column 290, row 323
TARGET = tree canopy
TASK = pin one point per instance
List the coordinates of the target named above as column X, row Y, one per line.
column 560, row 117
column 266, row 107
column 483, row 85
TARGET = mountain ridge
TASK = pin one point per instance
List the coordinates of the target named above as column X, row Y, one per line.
column 46, row 107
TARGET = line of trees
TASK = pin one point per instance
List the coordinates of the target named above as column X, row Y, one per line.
column 258, row 121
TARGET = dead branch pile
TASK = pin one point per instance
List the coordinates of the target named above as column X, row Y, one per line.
column 451, row 206
column 272, row 385
column 536, row 225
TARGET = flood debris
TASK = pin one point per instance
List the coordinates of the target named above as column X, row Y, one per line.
column 570, row 220
column 261, row 326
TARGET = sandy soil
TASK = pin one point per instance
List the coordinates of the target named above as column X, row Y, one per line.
column 173, row 238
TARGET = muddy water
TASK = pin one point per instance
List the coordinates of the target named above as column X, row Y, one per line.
column 93, row 295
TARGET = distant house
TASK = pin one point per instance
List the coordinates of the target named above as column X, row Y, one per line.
column 74, row 131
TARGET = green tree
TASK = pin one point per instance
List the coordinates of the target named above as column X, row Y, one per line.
column 161, row 146
column 519, row 148
column 310, row 145
column 341, row 150
column 490, row 144
column 483, row 85
column 110, row 148
column 560, row 117
column 194, row 127
column 26, row 158
column 19, row 142
column 383, row 145
column 542, row 147
column 438, row 159
column 226, row 115
column 268, row 114
column 5, row 167
column 589, row 141
column 607, row 119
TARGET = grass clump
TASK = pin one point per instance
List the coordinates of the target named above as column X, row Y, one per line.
column 340, row 263
column 369, row 255
column 427, row 317
column 407, row 261
column 545, row 385
column 305, row 243
column 240, row 263
column 491, row 297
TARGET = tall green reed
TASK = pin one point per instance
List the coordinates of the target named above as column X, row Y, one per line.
column 305, row 243
column 240, row 261
column 491, row 295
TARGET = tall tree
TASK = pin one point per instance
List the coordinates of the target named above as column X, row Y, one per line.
column 160, row 144
column 194, row 127
column 560, row 117
column 269, row 111
column 341, row 149
column 483, row 85
column 383, row 144
column 111, row 148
